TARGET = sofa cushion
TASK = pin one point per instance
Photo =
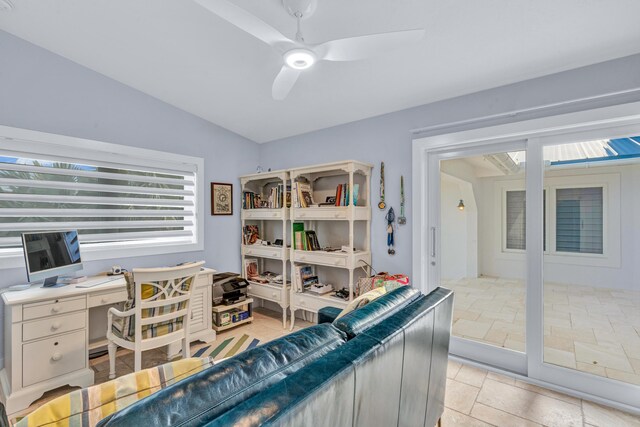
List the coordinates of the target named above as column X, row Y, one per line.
column 328, row 314
column 376, row 311
column 84, row 408
column 208, row 394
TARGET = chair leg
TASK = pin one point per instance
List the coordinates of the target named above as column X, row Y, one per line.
column 137, row 361
column 112, row 347
column 439, row 422
column 186, row 348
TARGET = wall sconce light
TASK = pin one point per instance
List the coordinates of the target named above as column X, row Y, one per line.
column 461, row 205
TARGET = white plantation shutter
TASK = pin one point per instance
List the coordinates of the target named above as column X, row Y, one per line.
column 135, row 200
column 516, row 220
column 579, row 220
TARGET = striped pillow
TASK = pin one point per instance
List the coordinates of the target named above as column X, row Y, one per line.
column 87, row 406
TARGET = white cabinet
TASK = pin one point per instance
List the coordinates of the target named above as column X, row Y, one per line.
column 346, row 226
column 272, row 224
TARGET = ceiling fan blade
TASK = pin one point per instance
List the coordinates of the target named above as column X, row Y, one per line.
column 245, row 21
column 355, row 48
column 283, row 83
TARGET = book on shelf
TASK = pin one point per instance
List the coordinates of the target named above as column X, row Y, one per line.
column 250, row 234
column 302, row 195
column 250, row 268
column 346, row 197
column 275, row 198
column 303, row 274
column 297, row 239
column 251, row 200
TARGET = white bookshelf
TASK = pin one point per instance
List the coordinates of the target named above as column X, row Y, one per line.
column 272, row 223
column 336, row 226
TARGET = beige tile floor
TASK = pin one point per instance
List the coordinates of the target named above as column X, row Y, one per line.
column 590, row 329
column 474, row 397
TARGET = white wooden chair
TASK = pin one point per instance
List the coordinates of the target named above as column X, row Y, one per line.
column 156, row 313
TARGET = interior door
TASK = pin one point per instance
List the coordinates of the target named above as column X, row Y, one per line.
column 477, row 232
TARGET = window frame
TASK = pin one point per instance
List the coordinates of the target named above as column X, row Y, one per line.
column 16, row 141
column 610, row 184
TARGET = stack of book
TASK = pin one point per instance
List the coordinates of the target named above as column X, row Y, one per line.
column 250, row 235
column 275, row 199
column 344, row 195
column 305, row 240
column 304, row 278
column 251, row 200
column 301, row 194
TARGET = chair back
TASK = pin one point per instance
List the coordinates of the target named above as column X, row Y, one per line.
column 162, row 301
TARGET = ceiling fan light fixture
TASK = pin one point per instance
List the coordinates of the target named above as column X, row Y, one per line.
column 299, row 59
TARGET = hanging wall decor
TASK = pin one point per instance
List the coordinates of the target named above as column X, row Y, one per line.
column 221, row 199
column 402, row 220
column 391, row 218
column 381, row 203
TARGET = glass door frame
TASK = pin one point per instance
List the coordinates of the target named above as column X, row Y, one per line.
column 618, row 120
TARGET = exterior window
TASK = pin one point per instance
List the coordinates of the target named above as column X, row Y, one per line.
column 142, row 205
column 517, row 220
column 579, row 221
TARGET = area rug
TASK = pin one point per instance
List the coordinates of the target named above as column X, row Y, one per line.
column 228, row 347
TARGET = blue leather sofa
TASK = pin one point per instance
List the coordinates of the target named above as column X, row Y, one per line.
column 381, row 365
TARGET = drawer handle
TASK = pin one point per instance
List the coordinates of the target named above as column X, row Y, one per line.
column 249, row 288
column 56, row 325
column 337, row 262
column 273, row 295
column 104, row 300
column 56, row 356
column 301, row 214
column 303, row 258
column 274, row 215
column 275, row 254
column 337, row 215
column 55, row 308
column 303, row 303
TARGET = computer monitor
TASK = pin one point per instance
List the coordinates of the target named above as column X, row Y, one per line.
column 49, row 254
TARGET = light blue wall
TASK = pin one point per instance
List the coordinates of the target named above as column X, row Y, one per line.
column 43, row 91
column 388, row 138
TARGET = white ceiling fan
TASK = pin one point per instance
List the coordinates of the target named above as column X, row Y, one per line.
column 298, row 55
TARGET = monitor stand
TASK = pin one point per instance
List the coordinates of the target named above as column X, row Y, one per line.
column 50, row 282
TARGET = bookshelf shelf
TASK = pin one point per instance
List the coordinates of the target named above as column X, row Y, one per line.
column 338, row 213
column 269, row 188
column 332, row 259
column 265, row 214
column 271, row 252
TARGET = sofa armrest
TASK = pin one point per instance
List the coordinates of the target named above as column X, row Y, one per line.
column 328, row 314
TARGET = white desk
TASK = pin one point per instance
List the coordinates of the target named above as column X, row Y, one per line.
column 47, row 335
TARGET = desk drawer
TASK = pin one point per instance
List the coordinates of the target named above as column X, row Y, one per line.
column 53, row 325
column 53, row 307
column 52, row 357
column 106, row 298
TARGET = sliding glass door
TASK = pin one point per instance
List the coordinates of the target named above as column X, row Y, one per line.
column 480, row 226
column 539, row 238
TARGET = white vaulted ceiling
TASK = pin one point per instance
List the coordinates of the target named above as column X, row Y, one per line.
column 180, row 53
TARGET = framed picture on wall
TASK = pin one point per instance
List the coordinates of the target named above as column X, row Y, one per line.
column 221, row 198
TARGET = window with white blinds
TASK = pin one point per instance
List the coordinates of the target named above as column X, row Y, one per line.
column 579, row 220
column 516, row 220
column 516, row 223
column 143, row 200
